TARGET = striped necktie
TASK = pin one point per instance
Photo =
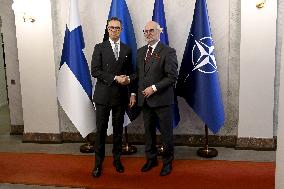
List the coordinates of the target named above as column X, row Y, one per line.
column 116, row 51
column 149, row 53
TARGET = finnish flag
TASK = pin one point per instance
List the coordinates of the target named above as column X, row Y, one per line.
column 74, row 85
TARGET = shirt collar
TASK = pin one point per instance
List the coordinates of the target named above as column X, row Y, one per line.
column 155, row 45
column 112, row 42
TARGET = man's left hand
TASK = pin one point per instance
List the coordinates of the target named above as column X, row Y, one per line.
column 148, row 92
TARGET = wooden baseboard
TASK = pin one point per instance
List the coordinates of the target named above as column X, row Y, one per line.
column 17, row 129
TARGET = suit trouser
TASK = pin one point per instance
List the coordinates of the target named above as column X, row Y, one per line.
column 151, row 116
column 102, row 118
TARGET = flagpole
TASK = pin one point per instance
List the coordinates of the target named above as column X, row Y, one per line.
column 160, row 149
column 88, row 147
column 207, row 152
column 159, row 17
column 74, row 85
column 128, row 149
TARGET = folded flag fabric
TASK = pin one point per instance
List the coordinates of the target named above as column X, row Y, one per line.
column 74, row 86
column 198, row 81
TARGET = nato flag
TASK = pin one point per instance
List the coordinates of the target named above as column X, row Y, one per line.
column 159, row 17
column 198, row 76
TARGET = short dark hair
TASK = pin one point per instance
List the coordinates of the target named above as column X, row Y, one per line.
column 114, row 19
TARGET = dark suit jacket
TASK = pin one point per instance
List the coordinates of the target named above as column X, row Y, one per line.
column 105, row 68
column 161, row 71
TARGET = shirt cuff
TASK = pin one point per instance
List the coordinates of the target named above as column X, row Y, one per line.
column 154, row 88
column 133, row 94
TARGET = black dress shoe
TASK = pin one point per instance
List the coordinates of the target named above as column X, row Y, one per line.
column 118, row 166
column 97, row 171
column 166, row 169
column 149, row 165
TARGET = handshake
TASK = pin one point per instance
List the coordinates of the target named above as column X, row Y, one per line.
column 122, row 79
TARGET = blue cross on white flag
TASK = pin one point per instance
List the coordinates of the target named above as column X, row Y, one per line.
column 198, row 79
column 74, row 87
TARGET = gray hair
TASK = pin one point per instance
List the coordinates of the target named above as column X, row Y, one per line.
column 158, row 27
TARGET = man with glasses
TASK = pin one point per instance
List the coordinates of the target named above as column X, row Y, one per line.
column 157, row 74
column 111, row 66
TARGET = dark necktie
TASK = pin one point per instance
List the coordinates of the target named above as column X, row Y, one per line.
column 148, row 55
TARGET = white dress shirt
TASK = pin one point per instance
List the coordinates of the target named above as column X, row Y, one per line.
column 153, row 48
column 113, row 46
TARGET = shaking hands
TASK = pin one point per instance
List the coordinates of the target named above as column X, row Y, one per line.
column 122, row 79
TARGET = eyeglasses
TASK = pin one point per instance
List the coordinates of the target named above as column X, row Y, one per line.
column 114, row 28
column 148, row 31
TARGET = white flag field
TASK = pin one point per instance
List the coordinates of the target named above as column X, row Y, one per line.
column 74, row 85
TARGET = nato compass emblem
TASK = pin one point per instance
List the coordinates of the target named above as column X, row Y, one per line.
column 203, row 58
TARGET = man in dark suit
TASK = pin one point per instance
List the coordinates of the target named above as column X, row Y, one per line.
column 157, row 74
column 111, row 64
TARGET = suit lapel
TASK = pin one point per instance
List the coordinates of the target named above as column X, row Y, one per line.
column 144, row 51
column 113, row 61
column 142, row 58
column 157, row 50
column 122, row 52
column 108, row 49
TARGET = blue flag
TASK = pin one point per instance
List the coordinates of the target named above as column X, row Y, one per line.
column 120, row 10
column 198, row 79
column 159, row 17
column 74, row 86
